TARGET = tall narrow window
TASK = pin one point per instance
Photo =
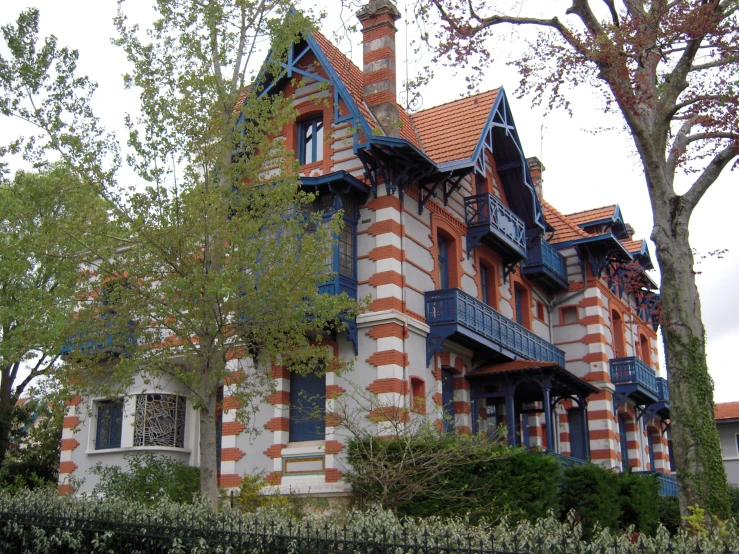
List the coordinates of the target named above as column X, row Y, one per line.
column 307, row 407
column 310, row 140
column 617, row 325
column 644, row 350
column 650, row 444
column 521, row 299
column 443, row 262
column 485, row 283
column 346, row 250
column 576, row 423
column 624, row 443
column 447, row 399
column 418, row 395
column 109, row 424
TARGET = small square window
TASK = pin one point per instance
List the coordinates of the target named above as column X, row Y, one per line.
column 109, row 424
column 569, row 315
column 310, row 140
column 539, row 310
column 418, row 395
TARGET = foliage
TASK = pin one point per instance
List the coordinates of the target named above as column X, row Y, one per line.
column 185, row 528
column 669, row 513
column 734, row 496
column 33, row 458
column 255, row 493
column 217, row 254
column 669, row 69
column 148, row 478
column 46, row 221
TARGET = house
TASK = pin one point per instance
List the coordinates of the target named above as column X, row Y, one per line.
column 727, row 422
column 485, row 299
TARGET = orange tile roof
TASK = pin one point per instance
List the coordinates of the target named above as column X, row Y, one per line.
column 565, row 229
column 632, row 245
column 596, row 214
column 727, row 410
column 516, row 365
column 351, row 75
column 451, row 131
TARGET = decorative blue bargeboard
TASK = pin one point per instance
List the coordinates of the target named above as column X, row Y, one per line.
column 450, row 311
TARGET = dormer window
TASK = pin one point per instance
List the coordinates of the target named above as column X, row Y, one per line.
column 310, row 140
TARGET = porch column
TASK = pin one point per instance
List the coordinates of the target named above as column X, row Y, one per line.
column 510, row 417
column 547, row 390
column 585, row 426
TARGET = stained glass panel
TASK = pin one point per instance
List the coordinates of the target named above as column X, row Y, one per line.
column 160, row 420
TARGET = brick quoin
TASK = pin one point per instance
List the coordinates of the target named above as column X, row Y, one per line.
column 437, row 398
column 602, row 454
column 463, row 430
column 278, row 424
column 386, row 278
column 333, row 475
column 385, row 226
column 386, row 252
column 380, row 97
column 382, row 202
column 274, row 478
column 333, row 447
column 69, row 444
column 275, row 451
column 74, row 401
column 380, row 386
column 460, row 383
column 229, row 481
column 70, row 422
column 279, row 397
column 382, row 304
column 386, row 330
column 596, row 357
column 67, row 467
column 334, row 391
column 232, row 428
column 231, row 403
column 279, row 372
column 379, row 54
column 333, row 419
column 445, row 359
column 64, row 490
column 388, row 357
column 462, row 408
column 231, row 454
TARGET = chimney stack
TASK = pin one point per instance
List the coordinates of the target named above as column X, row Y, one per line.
column 378, row 19
column 535, row 169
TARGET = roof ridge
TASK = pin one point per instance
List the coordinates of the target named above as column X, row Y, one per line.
column 593, row 209
column 490, row 91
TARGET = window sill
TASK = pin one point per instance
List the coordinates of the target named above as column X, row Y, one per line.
column 138, row 449
column 302, row 448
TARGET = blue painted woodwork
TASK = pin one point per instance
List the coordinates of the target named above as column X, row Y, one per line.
column 663, row 393
column 568, row 461
column 650, row 448
column 452, row 311
column 109, row 424
column 631, row 371
column 307, row 407
column 488, row 218
column 576, row 423
column 443, row 259
column 339, row 284
column 110, row 345
column 667, row 481
column 447, row 399
column 310, row 140
column 545, row 264
column 624, row 443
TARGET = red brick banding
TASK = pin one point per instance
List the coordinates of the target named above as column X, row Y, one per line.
column 334, row 391
column 382, row 304
column 67, row 467
column 69, row 444
column 231, row 454
column 278, row 424
column 333, row 447
column 389, row 413
column 437, row 398
column 385, row 226
column 70, row 422
column 596, row 357
column 380, row 386
column 388, row 357
column 333, row 475
column 279, row 397
column 274, row 478
column 462, row 407
column 64, row 489
column 386, row 252
column 74, row 400
column 275, row 451
column 229, row 481
column 387, row 201
column 386, row 330
column 279, row 372
column 333, row 419
column 386, row 278
column 232, row 428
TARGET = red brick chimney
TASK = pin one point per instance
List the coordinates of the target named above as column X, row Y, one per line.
column 378, row 19
column 535, row 170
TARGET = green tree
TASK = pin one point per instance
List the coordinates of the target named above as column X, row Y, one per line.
column 218, row 253
column 43, row 219
column 670, row 70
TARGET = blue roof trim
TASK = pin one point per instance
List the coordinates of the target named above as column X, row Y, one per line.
column 332, row 178
column 588, row 240
column 382, row 140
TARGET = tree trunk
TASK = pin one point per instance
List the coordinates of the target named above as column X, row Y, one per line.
column 208, row 462
column 695, row 441
column 6, row 410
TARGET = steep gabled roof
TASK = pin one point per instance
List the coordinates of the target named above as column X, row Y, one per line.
column 592, row 216
column 451, row 131
column 727, row 410
column 565, row 229
column 351, row 76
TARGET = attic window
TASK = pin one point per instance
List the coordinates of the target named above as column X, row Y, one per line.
column 310, row 140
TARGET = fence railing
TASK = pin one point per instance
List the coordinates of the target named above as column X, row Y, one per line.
column 543, row 257
column 452, row 306
column 485, row 209
column 631, row 370
column 663, row 393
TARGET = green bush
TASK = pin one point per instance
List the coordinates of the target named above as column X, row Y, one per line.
column 593, row 494
column 147, row 479
column 734, row 499
column 668, row 508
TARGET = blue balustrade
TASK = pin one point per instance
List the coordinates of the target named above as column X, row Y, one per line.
column 568, row 461
column 486, row 212
column 544, row 262
column 663, row 393
column 632, row 371
column 668, row 482
column 337, row 285
column 455, row 310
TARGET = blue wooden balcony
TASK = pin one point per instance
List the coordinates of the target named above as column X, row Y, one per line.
column 545, row 264
column 663, row 393
column 337, row 285
column 667, row 481
column 489, row 220
column 104, row 347
column 453, row 312
column 632, row 376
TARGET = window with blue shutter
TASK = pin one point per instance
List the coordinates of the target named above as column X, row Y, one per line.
column 307, row 407
column 109, row 424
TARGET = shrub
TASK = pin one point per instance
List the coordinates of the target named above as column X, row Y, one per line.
column 593, row 494
column 147, row 479
column 639, row 501
column 668, row 508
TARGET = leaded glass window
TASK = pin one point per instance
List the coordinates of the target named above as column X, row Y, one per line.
column 346, row 251
column 310, row 140
column 109, row 424
column 160, row 420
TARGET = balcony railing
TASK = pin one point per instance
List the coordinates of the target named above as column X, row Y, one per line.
column 632, row 371
column 663, row 393
column 544, row 262
column 457, row 311
column 337, row 285
column 488, row 215
column 667, row 481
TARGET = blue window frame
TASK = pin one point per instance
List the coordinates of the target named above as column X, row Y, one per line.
column 576, row 423
column 624, row 443
column 650, row 444
column 310, row 140
column 443, row 257
column 447, row 399
column 307, row 407
column 109, row 424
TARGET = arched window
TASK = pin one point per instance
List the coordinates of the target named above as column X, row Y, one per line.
column 485, row 284
column 617, row 326
column 310, row 140
column 523, row 309
column 418, row 395
column 644, row 349
column 443, row 260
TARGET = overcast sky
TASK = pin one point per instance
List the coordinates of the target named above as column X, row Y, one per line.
column 589, row 158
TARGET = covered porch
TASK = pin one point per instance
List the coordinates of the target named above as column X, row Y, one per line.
column 518, row 394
